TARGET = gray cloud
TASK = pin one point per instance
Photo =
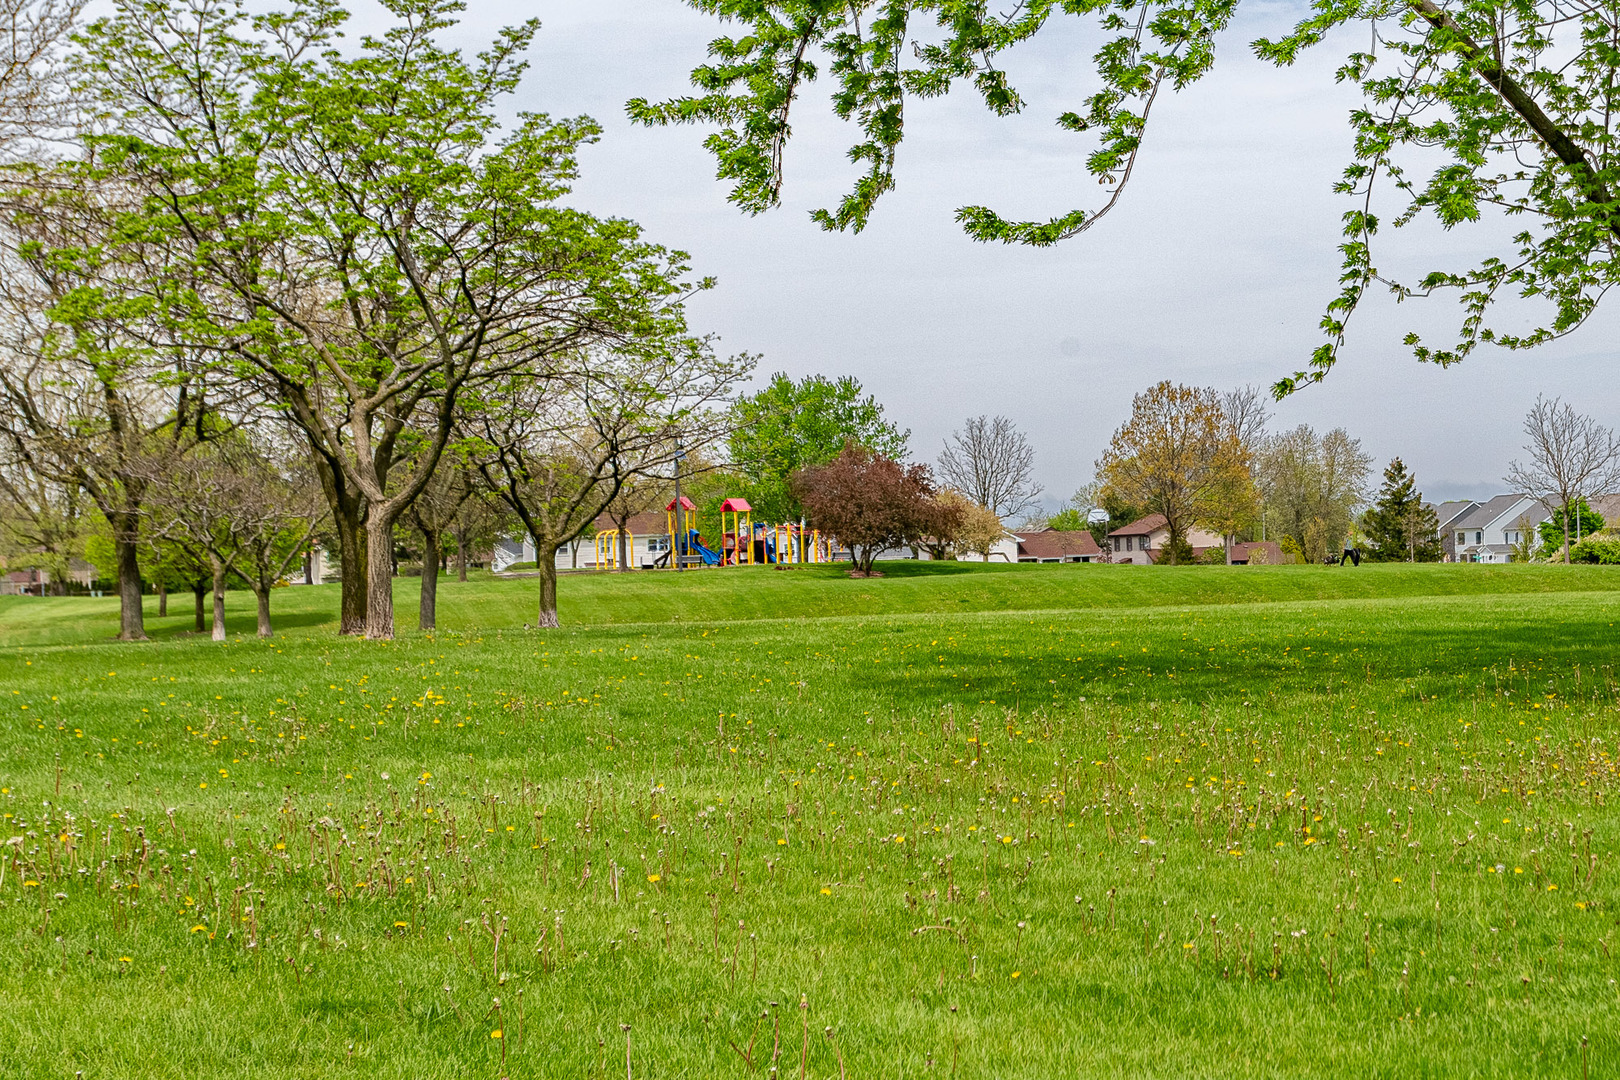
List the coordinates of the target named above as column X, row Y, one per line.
column 1213, row 270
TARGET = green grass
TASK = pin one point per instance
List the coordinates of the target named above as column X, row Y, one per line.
column 751, row 593
column 987, row 842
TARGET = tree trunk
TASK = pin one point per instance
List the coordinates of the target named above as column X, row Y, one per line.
column 427, row 610
column 625, row 547
column 379, row 578
column 131, row 620
column 461, row 554
column 1566, row 533
column 545, row 557
column 1229, row 540
column 219, row 601
column 199, row 589
column 163, row 599
column 262, row 595
column 352, row 552
column 348, row 510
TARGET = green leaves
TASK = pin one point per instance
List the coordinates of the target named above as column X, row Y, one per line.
column 1516, row 98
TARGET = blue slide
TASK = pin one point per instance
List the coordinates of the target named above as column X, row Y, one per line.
column 710, row 558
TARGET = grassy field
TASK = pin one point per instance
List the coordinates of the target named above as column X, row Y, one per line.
column 1003, row 822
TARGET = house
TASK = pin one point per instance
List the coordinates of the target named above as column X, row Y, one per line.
column 1446, row 516
column 647, row 543
column 1143, row 540
column 1057, row 546
column 1489, row 532
column 1257, row 553
column 521, row 550
column 1608, row 507
column 24, row 583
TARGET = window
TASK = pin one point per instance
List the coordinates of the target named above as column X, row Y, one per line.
column 1116, row 543
column 1462, row 538
column 1479, row 537
column 562, row 549
column 657, row 543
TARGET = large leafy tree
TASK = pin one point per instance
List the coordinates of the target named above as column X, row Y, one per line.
column 873, row 504
column 1473, row 109
column 368, row 242
column 1178, row 456
column 787, row 426
column 1399, row 525
column 1312, row 485
column 559, row 451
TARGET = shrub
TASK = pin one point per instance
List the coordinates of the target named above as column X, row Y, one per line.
column 1603, row 548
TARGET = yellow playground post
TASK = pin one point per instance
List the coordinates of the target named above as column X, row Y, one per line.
column 607, row 548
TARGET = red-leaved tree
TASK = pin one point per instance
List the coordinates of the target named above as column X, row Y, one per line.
column 872, row 503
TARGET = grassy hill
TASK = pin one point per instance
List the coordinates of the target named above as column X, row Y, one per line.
column 752, row 593
column 1008, row 822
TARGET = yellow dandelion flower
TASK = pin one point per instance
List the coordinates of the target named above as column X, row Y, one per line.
column 495, row 1034
column 1016, row 974
column 826, row 892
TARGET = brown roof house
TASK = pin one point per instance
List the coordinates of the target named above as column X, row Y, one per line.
column 1059, row 546
column 1143, row 540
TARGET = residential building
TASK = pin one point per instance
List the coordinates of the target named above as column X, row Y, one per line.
column 1143, row 540
column 1057, row 546
column 1489, row 532
column 1257, row 552
column 1446, row 516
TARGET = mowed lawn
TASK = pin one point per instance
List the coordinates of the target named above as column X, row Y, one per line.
column 1003, row 822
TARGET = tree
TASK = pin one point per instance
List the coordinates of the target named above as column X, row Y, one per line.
column 1311, row 486
column 1399, row 525
column 1247, row 411
column 872, row 503
column 992, row 463
column 1570, row 455
column 93, row 381
column 434, row 513
column 787, row 426
column 369, row 246
column 559, row 450
column 977, row 528
column 1177, row 456
column 1451, row 92
column 481, row 521
column 1562, row 531
column 236, row 512
column 36, row 101
column 42, row 522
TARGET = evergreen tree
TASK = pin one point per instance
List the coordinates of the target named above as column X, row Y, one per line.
column 1400, row 527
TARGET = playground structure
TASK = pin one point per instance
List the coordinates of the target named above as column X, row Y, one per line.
column 743, row 542
column 607, row 548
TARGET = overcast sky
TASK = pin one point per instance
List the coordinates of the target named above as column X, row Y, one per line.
column 1213, row 270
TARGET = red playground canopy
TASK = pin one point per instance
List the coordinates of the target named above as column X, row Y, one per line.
column 686, row 504
column 736, row 506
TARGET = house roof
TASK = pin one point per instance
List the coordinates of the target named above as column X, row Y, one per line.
column 648, row 523
column 1243, row 551
column 1608, row 506
column 1489, row 513
column 1057, row 544
column 1142, row 526
column 1448, row 512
